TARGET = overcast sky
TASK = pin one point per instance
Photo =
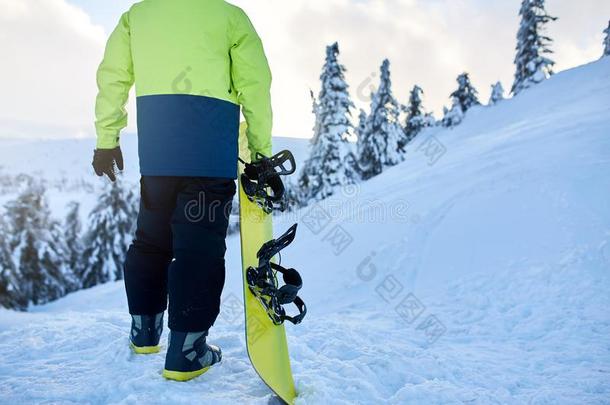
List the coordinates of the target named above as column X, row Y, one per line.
column 51, row 48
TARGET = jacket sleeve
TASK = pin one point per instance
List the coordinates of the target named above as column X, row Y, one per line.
column 114, row 80
column 251, row 78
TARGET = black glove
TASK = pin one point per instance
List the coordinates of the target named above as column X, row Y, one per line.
column 105, row 161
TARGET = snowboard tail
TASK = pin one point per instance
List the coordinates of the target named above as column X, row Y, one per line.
column 266, row 342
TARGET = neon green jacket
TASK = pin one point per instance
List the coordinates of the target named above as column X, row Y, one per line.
column 194, row 63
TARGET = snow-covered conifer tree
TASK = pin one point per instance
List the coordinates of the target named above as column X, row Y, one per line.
column 325, row 169
column 463, row 98
column 109, row 233
column 361, row 123
column 531, row 64
column 465, row 95
column 293, row 195
column 10, row 292
column 315, row 110
column 381, row 140
column 360, row 133
column 607, row 41
column 415, row 114
column 497, row 93
column 35, row 243
column 72, row 237
column 452, row 116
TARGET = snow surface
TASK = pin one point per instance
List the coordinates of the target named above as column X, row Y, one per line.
column 479, row 275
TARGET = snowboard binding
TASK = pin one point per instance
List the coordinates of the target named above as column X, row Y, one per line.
column 261, row 175
column 263, row 282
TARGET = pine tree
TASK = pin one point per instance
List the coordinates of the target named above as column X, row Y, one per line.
column 109, row 233
column 359, row 132
column 452, row 116
column 465, row 95
column 72, row 237
column 607, row 41
column 532, row 66
column 316, row 113
column 463, row 98
column 324, row 170
column 382, row 137
column 361, row 123
column 497, row 93
column 416, row 118
column 11, row 295
column 36, row 246
column 294, row 196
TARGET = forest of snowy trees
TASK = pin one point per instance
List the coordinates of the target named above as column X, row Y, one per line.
column 43, row 258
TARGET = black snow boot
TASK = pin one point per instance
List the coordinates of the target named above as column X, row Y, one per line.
column 146, row 333
column 189, row 356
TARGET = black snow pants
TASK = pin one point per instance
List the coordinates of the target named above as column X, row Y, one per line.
column 179, row 250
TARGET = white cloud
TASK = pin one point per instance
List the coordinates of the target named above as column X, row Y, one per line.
column 50, row 52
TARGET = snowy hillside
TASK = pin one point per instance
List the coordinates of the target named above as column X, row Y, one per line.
column 477, row 271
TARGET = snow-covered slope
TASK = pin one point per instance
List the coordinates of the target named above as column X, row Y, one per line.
column 476, row 275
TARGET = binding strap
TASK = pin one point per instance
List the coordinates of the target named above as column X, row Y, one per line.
column 263, row 282
column 288, row 293
column 263, row 175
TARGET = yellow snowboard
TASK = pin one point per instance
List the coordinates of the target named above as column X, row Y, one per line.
column 266, row 342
